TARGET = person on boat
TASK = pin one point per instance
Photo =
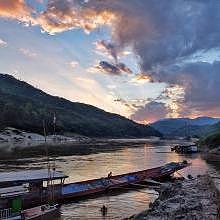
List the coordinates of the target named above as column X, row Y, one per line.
column 110, row 175
column 104, row 210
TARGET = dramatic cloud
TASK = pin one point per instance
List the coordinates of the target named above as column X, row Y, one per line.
column 124, row 68
column 193, row 88
column 65, row 15
column 112, row 51
column 152, row 111
column 192, row 91
column 16, row 9
column 2, row 43
column 160, row 32
column 141, row 78
column 108, row 48
column 164, row 35
column 201, row 88
column 108, row 68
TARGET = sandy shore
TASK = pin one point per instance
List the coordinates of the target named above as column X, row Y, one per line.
column 15, row 143
column 196, row 198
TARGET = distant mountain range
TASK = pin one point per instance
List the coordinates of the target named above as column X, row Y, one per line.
column 187, row 127
column 25, row 107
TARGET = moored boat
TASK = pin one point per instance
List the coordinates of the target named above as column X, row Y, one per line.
column 185, row 149
column 38, row 193
column 12, row 199
column 94, row 186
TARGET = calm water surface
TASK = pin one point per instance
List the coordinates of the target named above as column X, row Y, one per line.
column 127, row 159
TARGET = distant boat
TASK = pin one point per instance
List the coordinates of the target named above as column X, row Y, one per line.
column 185, row 149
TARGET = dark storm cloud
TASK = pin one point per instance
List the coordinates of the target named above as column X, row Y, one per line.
column 201, row 82
column 104, row 66
column 113, row 69
column 124, row 68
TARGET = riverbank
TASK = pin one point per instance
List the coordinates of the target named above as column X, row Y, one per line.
column 210, row 149
column 212, row 156
column 18, row 149
column 196, row 198
column 15, row 143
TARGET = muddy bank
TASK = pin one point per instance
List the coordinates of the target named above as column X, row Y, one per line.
column 188, row 199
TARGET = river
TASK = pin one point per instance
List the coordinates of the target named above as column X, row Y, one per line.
column 99, row 164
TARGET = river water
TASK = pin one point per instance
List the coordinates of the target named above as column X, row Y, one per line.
column 122, row 160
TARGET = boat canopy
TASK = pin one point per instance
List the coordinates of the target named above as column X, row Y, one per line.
column 29, row 176
column 13, row 191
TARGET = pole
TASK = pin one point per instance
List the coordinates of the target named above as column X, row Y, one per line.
column 48, row 162
column 44, row 129
column 54, row 124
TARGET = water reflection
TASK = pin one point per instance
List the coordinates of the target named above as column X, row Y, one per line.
column 119, row 206
column 99, row 164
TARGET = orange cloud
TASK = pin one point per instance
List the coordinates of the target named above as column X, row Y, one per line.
column 56, row 20
column 142, row 78
column 15, row 9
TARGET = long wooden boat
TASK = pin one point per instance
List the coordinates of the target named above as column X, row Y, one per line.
column 101, row 185
column 79, row 190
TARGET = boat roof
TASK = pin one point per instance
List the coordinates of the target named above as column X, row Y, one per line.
column 30, row 176
column 13, row 191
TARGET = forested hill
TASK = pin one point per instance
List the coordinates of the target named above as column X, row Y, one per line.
column 185, row 126
column 25, row 107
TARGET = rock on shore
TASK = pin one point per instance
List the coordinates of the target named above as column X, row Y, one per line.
column 189, row 199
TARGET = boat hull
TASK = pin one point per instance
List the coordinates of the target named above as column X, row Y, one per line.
column 95, row 186
column 79, row 190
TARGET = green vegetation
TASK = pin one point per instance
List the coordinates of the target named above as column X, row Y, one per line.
column 25, row 107
column 210, row 146
column 211, row 141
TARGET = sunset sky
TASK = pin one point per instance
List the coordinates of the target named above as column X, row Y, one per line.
column 143, row 59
